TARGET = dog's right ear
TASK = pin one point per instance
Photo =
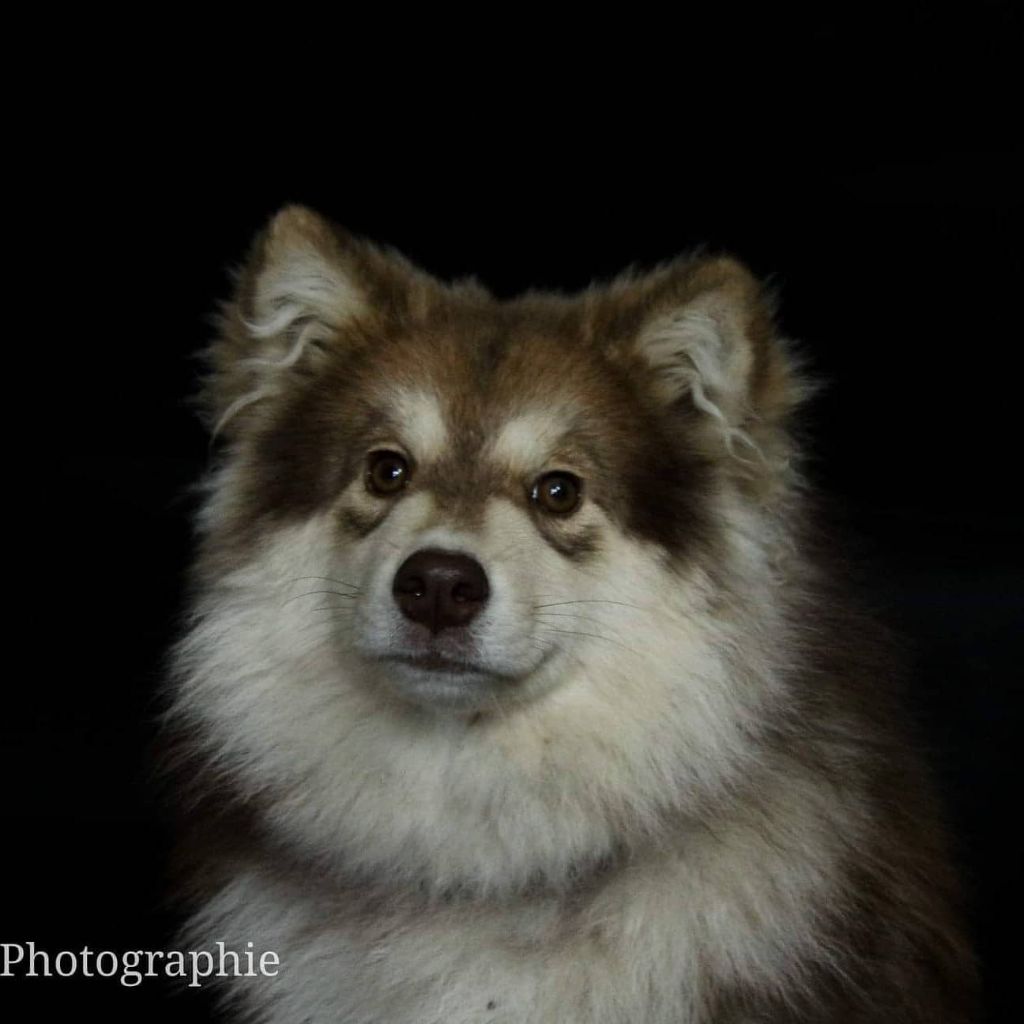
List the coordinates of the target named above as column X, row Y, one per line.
column 305, row 281
column 302, row 268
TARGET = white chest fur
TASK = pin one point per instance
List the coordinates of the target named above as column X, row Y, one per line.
column 651, row 943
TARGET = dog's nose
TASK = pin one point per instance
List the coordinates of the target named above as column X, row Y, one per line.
column 440, row 589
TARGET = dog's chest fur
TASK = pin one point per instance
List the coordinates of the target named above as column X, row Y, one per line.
column 670, row 940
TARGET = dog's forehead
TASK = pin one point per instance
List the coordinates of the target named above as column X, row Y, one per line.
column 510, row 432
column 422, row 416
column 510, row 400
column 480, row 416
column 530, row 436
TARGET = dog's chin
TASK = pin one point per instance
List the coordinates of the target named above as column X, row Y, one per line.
column 434, row 682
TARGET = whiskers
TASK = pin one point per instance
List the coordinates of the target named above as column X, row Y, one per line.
column 333, row 608
column 350, row 594
column 315, row 593
column 596, row 628
column 559, row 604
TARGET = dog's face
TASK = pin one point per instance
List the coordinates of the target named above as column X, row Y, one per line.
column 542, row 514
column 490, row 487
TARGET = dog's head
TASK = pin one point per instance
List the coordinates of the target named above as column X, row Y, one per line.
column 553, row 514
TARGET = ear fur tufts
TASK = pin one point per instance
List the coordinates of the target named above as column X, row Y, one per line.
column 707, row 338
column 300, row 286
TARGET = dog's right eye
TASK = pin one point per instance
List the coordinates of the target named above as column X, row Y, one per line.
column 386, row 473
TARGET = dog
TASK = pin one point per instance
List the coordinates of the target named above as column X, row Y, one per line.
column 517, row 685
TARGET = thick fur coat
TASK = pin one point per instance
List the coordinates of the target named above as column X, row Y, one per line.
column 643, row 765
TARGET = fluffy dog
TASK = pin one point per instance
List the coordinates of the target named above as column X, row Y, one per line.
column 516, row 688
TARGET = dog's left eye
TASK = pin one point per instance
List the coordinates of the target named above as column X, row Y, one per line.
column 386, row 473
column 558, row 493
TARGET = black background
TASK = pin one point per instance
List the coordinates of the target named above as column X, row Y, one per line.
column 889, row 227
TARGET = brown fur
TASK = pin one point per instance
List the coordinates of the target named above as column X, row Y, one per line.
column 896, row 951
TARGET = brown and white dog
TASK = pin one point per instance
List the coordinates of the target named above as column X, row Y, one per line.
column 515, row 690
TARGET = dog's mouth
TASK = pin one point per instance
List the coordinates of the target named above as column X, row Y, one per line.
column 433, row 661
column 449, row 680
column 452, row 670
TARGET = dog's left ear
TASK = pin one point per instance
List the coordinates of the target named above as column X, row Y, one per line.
column 703, row 332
